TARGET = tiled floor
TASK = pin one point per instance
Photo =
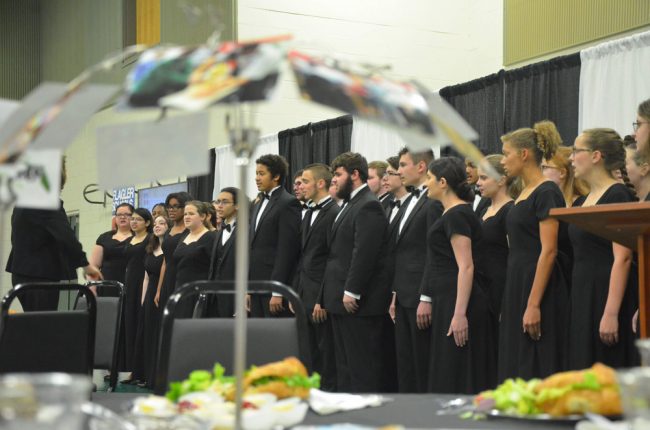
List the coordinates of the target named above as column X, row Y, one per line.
column 102, row 385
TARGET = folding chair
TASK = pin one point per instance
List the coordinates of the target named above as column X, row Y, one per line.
column 197, row 343
column 48, row 341
column 107, row 328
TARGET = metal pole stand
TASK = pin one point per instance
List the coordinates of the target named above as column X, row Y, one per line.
column 243, row 142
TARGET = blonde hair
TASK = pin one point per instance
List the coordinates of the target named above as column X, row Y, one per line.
column 573, row 187
column 543, row 139
column 512, row 184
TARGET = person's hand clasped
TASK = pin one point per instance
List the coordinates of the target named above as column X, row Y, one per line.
column 350, row 304
column 532, row 322
column 459, row 327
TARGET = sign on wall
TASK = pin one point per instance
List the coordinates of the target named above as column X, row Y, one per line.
column 123, row 195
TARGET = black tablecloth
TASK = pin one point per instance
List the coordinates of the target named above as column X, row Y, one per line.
column 408, row 410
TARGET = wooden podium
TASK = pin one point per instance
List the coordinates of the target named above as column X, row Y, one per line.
column 624, row 223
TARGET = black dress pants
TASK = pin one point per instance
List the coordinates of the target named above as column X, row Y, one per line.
column 413, row 349
column 42, row 300
column 361, row 362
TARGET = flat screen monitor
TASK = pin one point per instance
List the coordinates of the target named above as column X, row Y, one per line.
column 149, row 197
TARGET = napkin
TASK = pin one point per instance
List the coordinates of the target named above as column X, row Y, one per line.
column 324, row 403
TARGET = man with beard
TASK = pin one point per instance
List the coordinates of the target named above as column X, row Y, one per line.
column 274, row 234
column 412, row 337
column 316, row 227
column 355, row 289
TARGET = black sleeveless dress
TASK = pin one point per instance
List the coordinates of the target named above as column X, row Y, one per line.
column 169, row 281
column 452, row 369
column 113, row 260
column 519, row 355
column 492, row 254
column 148, row 323
column 593, row 259
column 192, row 263
column 132, row 307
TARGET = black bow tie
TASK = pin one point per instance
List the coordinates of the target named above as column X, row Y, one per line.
column 227, row 227
column 265, row 196
column 395, row 204
column 319, row 206
column 305, row 205
column 417, row 191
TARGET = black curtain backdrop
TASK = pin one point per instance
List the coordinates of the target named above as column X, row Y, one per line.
column 480, row 102
column 546, row 90
column 508, row 100
column 201, row 187
column 318, row 142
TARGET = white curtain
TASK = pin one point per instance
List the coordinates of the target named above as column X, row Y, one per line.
column 614, row 79
column 225, row 170
column 376, row 142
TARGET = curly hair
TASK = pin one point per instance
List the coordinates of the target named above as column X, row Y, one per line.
column 276, row 164
column 543, row 139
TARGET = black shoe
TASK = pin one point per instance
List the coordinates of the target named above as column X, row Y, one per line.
column 143, row 384
column 107, row 377
column 129, row 382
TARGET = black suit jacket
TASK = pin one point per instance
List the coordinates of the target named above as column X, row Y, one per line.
column 222, row 260
column 482, row 205
column 411, row 251
column 385, row 200
column 357, row 258
column 275, row 245
column 43, row 245
column 392, row 235
column 315, row 251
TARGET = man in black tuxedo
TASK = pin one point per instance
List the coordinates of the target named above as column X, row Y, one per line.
column 412, row 341
column 480, row 203
column 274, row 234
column 316, row 227
column 297, row 191
column 44, row 248
column 376, row 171
column 355, row 290
column 395, row 211
column 222, row 262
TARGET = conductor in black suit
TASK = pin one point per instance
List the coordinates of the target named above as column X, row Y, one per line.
column 412, row 340
column 355, row 290
column 316, row 227
column 274, row 234
column 44, row 248
column 222, row 263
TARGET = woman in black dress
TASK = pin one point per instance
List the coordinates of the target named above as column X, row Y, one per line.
column 534, row 310
column 462, row 344
column 175, row 203
column 603, row 297
column 108, row 252
column 192, row 255
column 492, row 255
column 141, row 224
column 149, row 319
